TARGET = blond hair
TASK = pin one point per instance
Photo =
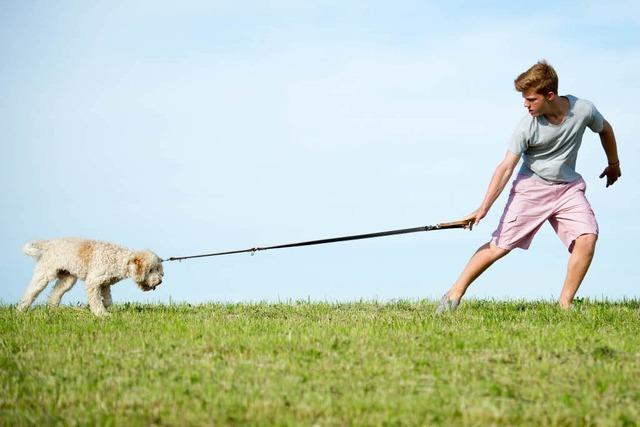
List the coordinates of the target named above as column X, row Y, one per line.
column 541, row 77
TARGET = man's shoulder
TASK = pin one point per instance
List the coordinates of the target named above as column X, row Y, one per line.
column 575, row 99
column 586, row 112
column 580, row 105
column 526, row 123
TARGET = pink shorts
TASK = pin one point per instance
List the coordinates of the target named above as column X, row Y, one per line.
column 532, row 202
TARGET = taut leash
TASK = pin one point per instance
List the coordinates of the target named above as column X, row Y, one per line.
column 443, row 226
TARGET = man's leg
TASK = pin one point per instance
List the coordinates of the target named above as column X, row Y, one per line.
column 486, row 255
column 579, row 261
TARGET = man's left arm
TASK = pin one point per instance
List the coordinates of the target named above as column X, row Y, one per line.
column 608, row 140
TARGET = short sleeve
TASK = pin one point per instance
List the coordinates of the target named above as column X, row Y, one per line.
column 518, row 143
column 596, row 121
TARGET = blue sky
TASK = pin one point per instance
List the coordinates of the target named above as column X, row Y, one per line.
column 194, row 126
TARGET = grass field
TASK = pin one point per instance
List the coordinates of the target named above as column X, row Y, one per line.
column 500, row 363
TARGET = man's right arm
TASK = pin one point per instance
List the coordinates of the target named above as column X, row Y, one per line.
column 500, row 177
column 608, row 139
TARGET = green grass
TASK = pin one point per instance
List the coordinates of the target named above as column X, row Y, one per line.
column 496, row 363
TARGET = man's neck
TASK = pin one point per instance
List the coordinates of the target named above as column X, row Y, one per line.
column 558, row 109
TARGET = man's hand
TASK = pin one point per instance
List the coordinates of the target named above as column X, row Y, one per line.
column 612, row 172
column 475, row 217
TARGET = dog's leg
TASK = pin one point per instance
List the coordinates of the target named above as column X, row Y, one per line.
column 38, row 282
column 64, row 283
column 95, row 298
column 106, row 295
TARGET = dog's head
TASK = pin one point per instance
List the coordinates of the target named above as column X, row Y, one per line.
column 145, row 268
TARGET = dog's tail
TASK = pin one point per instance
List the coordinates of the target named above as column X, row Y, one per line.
column 33, row 248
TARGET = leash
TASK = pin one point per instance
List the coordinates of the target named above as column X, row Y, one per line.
column 443, row 226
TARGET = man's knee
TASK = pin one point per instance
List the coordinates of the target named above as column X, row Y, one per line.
column 495, row 251
column 586, row 242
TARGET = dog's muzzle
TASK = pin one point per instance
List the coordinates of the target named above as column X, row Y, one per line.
column 147, row 287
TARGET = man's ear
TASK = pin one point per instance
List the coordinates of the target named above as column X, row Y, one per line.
column 550, row 96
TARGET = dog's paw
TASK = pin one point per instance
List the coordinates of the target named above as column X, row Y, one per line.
column 101, row 313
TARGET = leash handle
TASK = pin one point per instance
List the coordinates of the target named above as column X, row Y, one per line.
column 465, row 223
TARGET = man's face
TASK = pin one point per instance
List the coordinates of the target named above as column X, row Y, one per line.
column 535, row 103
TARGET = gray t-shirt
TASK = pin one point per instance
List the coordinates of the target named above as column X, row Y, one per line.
column 550, row 151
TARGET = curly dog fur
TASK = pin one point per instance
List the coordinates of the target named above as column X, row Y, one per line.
column 98, row 264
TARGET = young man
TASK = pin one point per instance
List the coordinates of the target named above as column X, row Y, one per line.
column 547, row 187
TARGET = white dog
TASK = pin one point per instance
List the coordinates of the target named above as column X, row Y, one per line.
column 98, row 264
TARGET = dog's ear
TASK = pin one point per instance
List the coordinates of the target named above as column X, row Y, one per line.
column 137, row 267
